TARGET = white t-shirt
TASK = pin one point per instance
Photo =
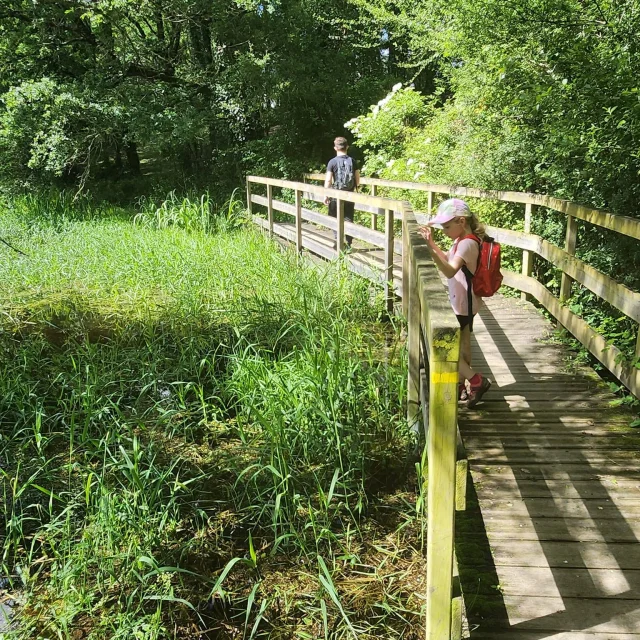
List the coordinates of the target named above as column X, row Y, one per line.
column 469, row 250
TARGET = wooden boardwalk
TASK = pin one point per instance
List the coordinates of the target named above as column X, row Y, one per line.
column 548, row 546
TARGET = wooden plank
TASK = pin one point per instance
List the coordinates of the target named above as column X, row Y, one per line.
column 551, row 554
column 552, row 507
column 600, row 615
column 543, row 441
column 569, row 582
column 556, row 529
column 574, row 470
column 520, row 634
column 547, row 456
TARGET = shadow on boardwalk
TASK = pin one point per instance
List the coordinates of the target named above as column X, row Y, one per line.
column 548, row 545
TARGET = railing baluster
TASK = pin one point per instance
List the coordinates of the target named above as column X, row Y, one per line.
column 527, row 256
column 249, row 204
column 569, row 247
column 413, row 331
column 340, row 230
column 388, row 260
column 374, row 216
column 299, row 220
column 270, row 208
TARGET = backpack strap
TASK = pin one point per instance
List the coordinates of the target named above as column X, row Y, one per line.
column 469, row 276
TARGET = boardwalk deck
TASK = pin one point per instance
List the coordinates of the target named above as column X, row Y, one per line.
column 548, row 545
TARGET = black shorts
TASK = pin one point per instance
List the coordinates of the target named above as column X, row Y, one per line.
column 465, row 321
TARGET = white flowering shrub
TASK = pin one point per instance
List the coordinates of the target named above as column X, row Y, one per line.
column 384, row 131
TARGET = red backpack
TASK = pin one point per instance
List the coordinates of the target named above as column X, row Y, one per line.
column 487, row 278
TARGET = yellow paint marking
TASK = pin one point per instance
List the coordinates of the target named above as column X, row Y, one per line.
column 444, row 378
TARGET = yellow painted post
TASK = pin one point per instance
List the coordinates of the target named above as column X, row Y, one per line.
column 374, row 216
column 270, row 208
column 443, row 417
column 249, row 203
column 527, row 256
column 570, row 248
column 299, row 220
column 388, row 260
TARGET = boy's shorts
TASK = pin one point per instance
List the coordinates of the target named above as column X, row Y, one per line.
column 465, row 321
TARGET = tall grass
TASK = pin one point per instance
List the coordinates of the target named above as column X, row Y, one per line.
column 200, row 435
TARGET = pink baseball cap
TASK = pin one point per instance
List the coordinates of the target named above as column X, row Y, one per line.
column 450, row 209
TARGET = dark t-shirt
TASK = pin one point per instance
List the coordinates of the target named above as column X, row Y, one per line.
column 335, row 162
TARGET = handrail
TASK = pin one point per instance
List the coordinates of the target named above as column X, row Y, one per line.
column 621, row 224
column 573, row 269
column 433, row 365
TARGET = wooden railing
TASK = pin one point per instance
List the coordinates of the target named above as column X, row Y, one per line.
column 563, row 258
column 433, row 336
column 302, row 191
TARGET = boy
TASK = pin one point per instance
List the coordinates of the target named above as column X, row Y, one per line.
column 342, row 174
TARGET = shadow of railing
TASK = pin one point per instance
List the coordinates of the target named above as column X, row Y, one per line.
column 549, row 544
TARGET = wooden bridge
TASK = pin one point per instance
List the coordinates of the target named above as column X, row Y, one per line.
column 534, row 496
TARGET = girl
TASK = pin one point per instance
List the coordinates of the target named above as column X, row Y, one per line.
column 458, row 265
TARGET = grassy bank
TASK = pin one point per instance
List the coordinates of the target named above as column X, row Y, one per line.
column 201, row 437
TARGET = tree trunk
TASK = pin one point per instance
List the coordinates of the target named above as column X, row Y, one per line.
column 133, row 159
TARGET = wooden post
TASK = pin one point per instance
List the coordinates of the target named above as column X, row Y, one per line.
column 406, row 262
column 299, row 221
column 429, row 202
column 443, row 417
column 270, row 208
column 249, row 204
column 340, row 229
column 570, row 248
column 527, row 256
column 374, row 216
column 638, row 345
column 413, row 335
column 388, row 260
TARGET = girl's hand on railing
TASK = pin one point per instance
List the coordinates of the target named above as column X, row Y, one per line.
column 426, row 233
